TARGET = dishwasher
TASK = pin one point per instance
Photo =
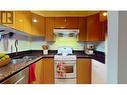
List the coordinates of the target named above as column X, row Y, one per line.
column 19, row 78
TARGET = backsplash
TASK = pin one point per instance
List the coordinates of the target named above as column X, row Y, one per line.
column 66, row 41
column 28, row 43
column 59, row 42
column 102, row 46
column 23, row 43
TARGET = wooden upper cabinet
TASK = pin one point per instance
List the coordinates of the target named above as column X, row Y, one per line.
column 72, row 22
column 103, row 29
column 93, row 28
column 27, row 22
column 60, row 22
column 19, row 20
column 38, row 25
column 49, row 36
column 82, row 27
column 65, row 22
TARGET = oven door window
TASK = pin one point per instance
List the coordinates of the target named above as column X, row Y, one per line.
column 69, row 69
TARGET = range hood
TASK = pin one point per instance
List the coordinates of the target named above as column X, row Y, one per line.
column 66, row 32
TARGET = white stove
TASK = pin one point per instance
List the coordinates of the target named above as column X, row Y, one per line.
column 65, row 66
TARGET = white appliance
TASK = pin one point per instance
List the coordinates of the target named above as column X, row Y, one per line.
column 98, row 72
column 65, row 66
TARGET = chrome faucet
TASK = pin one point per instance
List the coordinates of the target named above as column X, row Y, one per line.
column 16, row 44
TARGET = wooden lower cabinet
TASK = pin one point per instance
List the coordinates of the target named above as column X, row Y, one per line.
column 48, row 71
column 44, row 71
column 83, row 71
column 38, row 72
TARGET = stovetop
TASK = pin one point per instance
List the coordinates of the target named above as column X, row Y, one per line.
column 65, row 57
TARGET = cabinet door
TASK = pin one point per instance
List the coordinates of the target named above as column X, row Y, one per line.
column 38, row 72
column 19, row 78
column 98, row 72
column 83, row 71
column 72, row 22
column 48, row 71
column 66, row 22
column 38, row 25
column 103, row 29
column 27, row 22
column 93, row 28
column 19, row 20
column 60, row 22
column 82, row 26
column 49, row 36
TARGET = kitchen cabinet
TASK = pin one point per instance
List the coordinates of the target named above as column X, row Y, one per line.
column 19, row 20
column 38, row 72
column 23, row 21
column 83, row 71
column 66, row 22
column 49, row 35
column 27, row 22
column 103, row 29
column 98, row 72
column 93, row 28
column 48, row 71
column 82, row 27
column 19, row 78
column 38, row 25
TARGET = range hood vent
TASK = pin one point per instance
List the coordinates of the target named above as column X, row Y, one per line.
column 66, row 32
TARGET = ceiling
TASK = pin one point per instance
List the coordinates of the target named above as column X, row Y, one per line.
column 65, row 13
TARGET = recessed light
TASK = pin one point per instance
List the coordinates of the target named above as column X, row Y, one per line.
column 105, row 13
column 35, row 20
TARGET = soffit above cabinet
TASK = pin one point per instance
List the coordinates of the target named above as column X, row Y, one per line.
column 65, row 13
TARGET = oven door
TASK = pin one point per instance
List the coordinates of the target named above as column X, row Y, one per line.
column 65, row 69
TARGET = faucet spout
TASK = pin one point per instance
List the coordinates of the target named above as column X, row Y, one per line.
column 16, row 46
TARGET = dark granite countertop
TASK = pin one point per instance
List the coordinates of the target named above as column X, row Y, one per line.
column 11, row 69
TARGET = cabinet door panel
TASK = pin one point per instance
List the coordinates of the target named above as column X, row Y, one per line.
column 83, row 71
column 19, row 20
column 82, row 26
column 48, row 71
column 38, row 72
column 93, row 28
column 27, row 22
column 72, row 22
column 60, row 22
column 49, row 29
column 38, row 26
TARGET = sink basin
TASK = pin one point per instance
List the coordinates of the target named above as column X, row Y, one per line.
column 23, row 59
column 29, row 57
column 18, row 61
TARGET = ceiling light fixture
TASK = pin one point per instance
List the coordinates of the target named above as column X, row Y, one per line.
column 105, row 13
column 35, row 20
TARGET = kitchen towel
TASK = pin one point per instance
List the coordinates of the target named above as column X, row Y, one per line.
column 32, row 76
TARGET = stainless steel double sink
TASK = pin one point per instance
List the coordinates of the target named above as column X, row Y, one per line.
column 23, row 59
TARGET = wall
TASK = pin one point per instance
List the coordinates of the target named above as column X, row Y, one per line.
column 60, row 42
column 112, row 48
column 23, row 43
column 122, row 48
